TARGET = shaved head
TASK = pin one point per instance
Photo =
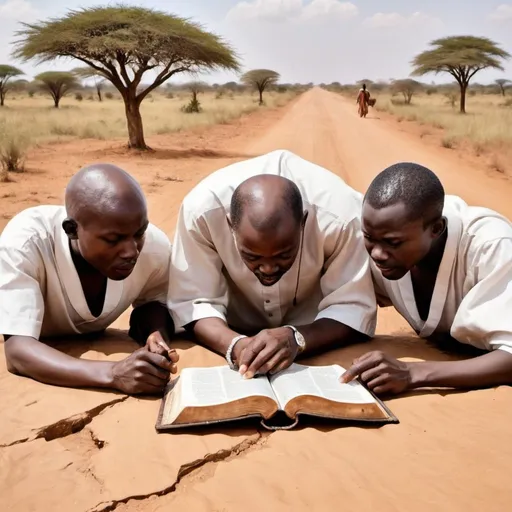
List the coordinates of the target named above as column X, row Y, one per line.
column 106, row 219
column 266, row 200
column 410, row 184
column 101, row 190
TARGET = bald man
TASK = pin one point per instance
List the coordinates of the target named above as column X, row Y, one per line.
column 74, row 269
column 447, row 268
column 268, row 263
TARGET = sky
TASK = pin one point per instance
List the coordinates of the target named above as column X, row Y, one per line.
column 319, row 41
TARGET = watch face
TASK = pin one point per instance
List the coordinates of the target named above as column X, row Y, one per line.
column 300, row 340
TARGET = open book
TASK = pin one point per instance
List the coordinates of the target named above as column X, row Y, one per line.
column 200, row 396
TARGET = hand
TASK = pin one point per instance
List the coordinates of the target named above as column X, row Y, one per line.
column 380, row 372
column 142, row 372
column 270, row 351
column 157, row 345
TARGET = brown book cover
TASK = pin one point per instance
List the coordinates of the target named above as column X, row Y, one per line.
column 203, row 396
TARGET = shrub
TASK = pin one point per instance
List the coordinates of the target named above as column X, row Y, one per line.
column 78, row 97
column 13, row 152
column 193, row 107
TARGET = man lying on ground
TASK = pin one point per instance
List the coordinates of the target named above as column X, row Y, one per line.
column 447, row 269
column 74, row 269
column 264, row 248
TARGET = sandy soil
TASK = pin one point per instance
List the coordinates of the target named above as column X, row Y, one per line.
column 79, row 450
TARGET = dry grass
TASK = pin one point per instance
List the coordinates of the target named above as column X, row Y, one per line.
column 36, row 120
column 13, row 148
column 488, row 121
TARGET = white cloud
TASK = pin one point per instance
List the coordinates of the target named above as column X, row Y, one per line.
column 17, row 10
column 330, row 8
column 282, row 10
column 269, row 10
column 394, row 19
column 502, row 13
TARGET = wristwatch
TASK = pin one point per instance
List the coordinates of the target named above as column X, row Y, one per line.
column 299, row 339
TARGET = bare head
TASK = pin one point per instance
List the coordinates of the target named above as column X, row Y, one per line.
column 267, row 218
column 107, row 218
column 403, row 217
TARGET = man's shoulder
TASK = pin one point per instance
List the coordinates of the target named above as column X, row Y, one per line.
column 36, row 224
column 480, row 226
column 319, row 187
column 156, row 242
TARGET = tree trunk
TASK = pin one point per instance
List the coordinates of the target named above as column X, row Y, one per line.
column 2, row 99
column 503, row 91
column 56, row 101
column 98, row 91
column 261, row 97
column 134, row 121
column 463, row 89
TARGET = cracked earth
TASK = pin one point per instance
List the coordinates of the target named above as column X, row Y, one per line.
column 66, row 450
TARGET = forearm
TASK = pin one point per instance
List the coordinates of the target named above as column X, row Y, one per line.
column 31, row 358
column 150, row 318
column 214, row 334
column 325, row 332
column 492, row 369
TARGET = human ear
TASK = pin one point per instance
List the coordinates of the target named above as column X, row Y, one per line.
column 70, row 227
column 305, row 218
column 439, row 227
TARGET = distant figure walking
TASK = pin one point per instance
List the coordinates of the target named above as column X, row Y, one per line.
column 362, row 100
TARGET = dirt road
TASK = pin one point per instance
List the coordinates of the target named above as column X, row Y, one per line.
column 75, row 450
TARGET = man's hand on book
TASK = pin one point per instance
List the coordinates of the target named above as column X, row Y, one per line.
column 382, row 374
column 270, row 351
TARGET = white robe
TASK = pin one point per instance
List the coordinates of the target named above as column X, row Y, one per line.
column 472, row 299
column 209, row 278
column 40, row 290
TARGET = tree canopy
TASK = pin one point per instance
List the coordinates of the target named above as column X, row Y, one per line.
column 462, row 57
column 6, row 74
column 407, row 87
column 502, row 84
column 57, row 83
column 123, row 43
column 260, row 79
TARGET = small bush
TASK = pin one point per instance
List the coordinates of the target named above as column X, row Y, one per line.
column 109, row 95
column 448, row 142
column 90, row 97
column 170, row 96
column 12, row 154
column 219, row 95
column 78, row 97
column 193, row 107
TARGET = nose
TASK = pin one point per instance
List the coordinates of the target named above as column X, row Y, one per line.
column 130, row 250
column 268, row 268
column 378, row 254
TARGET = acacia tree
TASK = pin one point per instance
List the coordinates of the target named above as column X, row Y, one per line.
column 502, row 84
column 57, row 83
column 123, row 43
column 408, row 87
column 462, row 57
column 6, row 73
column 260, row 79
column 86, row 73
